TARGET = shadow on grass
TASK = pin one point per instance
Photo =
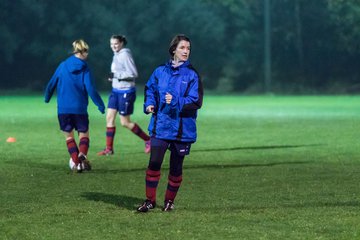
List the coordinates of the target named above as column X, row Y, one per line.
column 117, row 200
column 255, row 148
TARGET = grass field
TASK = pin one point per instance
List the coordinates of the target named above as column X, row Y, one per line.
column 264, row 167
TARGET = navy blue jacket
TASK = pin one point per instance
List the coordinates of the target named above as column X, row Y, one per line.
column 73, row 82
column 177, row 120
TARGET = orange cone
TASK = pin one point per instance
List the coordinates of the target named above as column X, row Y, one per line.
column 11, row 140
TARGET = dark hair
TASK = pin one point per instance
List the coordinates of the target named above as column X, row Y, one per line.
column 121, row 38
column 175, row 41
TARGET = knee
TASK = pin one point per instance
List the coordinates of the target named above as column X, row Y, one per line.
column 84, row 135
column 124, row 124
column 154, row 166
column 110, row 119
column 176, row 172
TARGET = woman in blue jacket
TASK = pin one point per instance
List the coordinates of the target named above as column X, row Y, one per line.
column 73, row 83
column 173, row 94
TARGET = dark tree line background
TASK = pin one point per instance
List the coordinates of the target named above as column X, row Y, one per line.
column 314, row 44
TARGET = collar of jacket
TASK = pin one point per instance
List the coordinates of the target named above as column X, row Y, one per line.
column 185, row 64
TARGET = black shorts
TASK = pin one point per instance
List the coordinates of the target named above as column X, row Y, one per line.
column 177, row 147
column 68, row 122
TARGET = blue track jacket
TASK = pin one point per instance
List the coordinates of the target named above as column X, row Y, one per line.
column 177, row 120
column 73, row 82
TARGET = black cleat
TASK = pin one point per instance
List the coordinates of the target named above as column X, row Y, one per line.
column 168, row 206
column 146, row 206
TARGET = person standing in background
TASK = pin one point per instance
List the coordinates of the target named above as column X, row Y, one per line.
column 73, row 82
column 123, row 94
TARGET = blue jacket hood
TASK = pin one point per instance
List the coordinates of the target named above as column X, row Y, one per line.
column 74, row 64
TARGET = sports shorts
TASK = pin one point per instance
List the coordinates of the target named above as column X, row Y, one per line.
column 122, row 102
column 79, row 122
column 177, row 147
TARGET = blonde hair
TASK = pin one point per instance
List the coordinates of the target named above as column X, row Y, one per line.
column 80, row 46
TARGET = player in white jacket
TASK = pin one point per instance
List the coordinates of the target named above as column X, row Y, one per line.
column 123, row 94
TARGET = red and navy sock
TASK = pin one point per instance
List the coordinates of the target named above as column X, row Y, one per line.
column 73, row 150
column 84, row 145
column 172, row 187
column 139, row 132
column 152, row 181
column 110, row 134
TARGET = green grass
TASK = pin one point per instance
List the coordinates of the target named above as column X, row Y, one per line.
column 264, row 167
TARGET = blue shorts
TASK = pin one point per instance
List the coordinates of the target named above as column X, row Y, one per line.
column 122, row 102
column 68, row 122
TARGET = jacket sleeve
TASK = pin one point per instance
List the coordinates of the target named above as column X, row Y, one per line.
column 193, row 96
column 94, row 95
column 151, row 92
column 51, row 86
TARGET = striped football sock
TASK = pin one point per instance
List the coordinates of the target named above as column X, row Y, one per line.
column 172, row 187
column 152, row 180
column 140, row 133
column 73, row 150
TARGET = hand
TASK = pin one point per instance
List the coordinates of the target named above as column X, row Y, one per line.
column 150, row 109
column 111, row 76
column 102, row 109
column 168, row 98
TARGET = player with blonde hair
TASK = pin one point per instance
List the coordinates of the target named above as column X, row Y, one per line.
column 74, row 82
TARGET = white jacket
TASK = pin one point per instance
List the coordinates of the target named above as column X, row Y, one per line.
column 124, row 69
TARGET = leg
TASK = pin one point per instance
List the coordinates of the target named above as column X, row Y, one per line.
column 84, row 142
column 126, row 122
column 135, row 128
column 110, row 132
column 67, row 124
column 152, row 178
column 158, row 149
column 178, row 152
column 84, row 147
column 110, row 117
column 72, row 147
column 175, row 176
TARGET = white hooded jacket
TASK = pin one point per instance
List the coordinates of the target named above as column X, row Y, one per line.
column 124, row 70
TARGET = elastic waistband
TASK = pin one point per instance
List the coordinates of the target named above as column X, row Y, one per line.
column 126, row 79
column 127, row 90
